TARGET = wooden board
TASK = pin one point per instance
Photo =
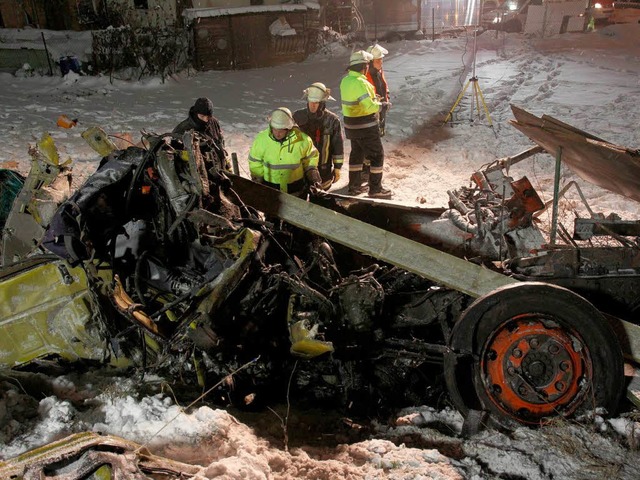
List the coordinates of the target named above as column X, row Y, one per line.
column 389, row 247
column 597, row 161
column 633, row 389
column 428, row 262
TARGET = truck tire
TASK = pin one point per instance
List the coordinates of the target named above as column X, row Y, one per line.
column 530, row 351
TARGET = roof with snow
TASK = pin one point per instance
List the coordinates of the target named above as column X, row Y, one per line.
column 193, row 13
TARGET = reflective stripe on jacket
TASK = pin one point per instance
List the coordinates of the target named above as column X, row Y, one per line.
column 283, row 162
column 359, row 104
column 376, row 78
column 326, row 132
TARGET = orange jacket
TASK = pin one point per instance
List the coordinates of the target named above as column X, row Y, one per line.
column 376, row 78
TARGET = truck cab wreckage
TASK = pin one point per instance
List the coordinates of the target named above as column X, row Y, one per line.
column 164, row 261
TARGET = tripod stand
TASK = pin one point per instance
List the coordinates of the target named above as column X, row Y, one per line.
column 476, row 93
column 477, row 98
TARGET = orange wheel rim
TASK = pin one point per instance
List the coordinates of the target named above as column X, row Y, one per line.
column 531, row 368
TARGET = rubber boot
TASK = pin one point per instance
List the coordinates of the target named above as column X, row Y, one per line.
column 355, row 183
column 376, row 190
column 366, row 166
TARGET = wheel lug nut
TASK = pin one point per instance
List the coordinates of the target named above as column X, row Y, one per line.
column 559, row 386
column 511, row 371
column 534, row 342
column 564, row 366
column 522, row 390
column 517, row 352
column 554, row 349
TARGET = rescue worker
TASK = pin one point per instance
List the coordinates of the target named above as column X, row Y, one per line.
column 360, row 108
column 325, row 130
column 283, row 157
column 375, row 75
column 201, row 120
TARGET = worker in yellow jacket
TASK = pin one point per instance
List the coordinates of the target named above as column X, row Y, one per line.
column 283, row 157
column 360, row 108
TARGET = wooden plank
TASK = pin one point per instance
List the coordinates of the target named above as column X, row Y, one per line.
column 604, row 164
column 628, row 336
column 402, row 252
column 441, row 267
column 633, row 390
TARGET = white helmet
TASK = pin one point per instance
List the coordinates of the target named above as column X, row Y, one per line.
column 318, row 92
column 281, row 118
column 360, row 56
column 377, row 51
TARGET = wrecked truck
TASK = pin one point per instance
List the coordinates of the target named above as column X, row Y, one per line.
column 157, row 263
column 163, row 261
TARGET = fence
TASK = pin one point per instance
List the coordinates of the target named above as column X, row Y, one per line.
column 43, row 52
column 148, row 51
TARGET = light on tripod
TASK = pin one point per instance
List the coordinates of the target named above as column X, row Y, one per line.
column 472, row 7
column 477, row 99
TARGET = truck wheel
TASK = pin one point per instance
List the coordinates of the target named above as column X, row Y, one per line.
column 529, row 351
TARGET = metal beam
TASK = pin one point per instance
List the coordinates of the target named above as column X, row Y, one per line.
column 443, row 268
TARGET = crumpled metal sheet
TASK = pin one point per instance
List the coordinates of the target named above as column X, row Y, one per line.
column 107, row 456
column 597, row 161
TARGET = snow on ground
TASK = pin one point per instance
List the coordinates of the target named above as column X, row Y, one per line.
column 591, row 81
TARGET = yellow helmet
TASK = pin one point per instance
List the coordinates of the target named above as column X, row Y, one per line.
column 318, row 92
column 281, row 118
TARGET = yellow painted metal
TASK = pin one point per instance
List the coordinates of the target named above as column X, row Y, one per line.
column 129, row 459
column 46, row 186
column 99, row 141
column 46, row 309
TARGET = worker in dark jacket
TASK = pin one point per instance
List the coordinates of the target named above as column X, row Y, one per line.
column 325, row 130
column 360, row 109
column 375, row 75
column 201, row 120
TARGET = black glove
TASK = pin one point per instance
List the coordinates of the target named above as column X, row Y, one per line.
column 316, row 190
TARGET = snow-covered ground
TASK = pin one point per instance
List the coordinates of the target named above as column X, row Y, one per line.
column 591, row 81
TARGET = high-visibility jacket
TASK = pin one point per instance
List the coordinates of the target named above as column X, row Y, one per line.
column 283, row 164
column 359, row 104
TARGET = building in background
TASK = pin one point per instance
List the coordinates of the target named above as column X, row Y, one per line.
column 89, row 14
column 251, row 36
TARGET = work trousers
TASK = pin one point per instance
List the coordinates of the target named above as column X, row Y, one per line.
column 366, row 144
